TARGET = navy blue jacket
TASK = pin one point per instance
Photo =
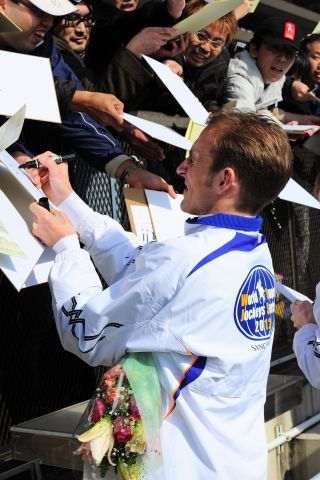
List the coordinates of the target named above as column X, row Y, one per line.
column 78, row 131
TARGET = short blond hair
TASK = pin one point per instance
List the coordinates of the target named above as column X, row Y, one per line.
column 226, row 25
column 258, row 151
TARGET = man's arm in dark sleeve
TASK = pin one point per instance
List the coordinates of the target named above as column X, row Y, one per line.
column 65, row 89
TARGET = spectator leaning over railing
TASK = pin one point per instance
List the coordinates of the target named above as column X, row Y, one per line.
column 116, row 27
column 203, row 64
column 72, row 35
column 256, row 75
column 306, row 103
column 79, row 131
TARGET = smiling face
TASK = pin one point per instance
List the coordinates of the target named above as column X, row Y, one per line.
column 124, row 5
column 34, row 27
column 272, row 61
column 76, row 36
column 199, row 195
column 314, row 60
column 204, row 47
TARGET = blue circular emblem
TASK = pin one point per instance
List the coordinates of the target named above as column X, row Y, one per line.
column 255, row 305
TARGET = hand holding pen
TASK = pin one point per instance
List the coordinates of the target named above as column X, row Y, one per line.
column 35, row 163
column 51, row 178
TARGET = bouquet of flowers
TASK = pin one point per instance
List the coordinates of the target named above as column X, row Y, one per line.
column 118, row 434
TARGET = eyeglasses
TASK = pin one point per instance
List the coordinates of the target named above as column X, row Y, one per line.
column 289, row 52
column 203, row 37
column 74, row 20
column 35, row 10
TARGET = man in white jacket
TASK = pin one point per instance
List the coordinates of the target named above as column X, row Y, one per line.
column 202, row 303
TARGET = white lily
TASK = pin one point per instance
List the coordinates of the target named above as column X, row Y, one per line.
column 100, row 437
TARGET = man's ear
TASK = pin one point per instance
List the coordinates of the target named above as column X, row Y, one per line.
column 253, row 50
column 226, row 180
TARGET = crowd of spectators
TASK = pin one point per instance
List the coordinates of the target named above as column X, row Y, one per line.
column 96, row 53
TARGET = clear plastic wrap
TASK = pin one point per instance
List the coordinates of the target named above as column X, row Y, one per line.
column 119, row 433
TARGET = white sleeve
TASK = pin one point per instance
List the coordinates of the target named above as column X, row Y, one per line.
column 109, row 245
column 306, row 345
column 101, row 326
column 238, row 88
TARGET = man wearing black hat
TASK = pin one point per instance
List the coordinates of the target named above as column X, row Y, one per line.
column 257, row 74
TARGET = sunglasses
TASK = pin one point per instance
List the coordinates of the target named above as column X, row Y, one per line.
column 73, row 20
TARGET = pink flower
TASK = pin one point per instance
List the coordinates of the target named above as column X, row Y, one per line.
column 111, row 394
column 98, row 409
column 111, row 376
column 133, row 409
column 122, row 430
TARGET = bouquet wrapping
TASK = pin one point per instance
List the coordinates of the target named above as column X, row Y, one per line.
column 119, row 433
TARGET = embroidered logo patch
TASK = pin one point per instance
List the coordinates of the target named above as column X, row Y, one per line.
column 255, row 305
column 289, row 30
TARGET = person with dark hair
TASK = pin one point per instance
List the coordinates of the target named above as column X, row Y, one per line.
column 203, row 303
column 206, row 58
column 309, row 79
column 257, row 74
column 78, row 131
column 116, row 27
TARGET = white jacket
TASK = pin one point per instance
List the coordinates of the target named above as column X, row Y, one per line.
column 209, row 324
column 306, row 345
column 245, row 86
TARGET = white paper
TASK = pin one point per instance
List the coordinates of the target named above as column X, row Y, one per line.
column 206, row 15
column 160, row 132
column 18, row 269
column 186, row 99
column 10, row 131
column 16, row 193
column 301, row 128
column 143, row 224
column 167, row 217
column 28, row 80
column 316, row 28
column 20, row 175
column 293, row 192
column 291, row 294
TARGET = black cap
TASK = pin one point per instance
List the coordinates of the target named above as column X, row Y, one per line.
column 280, row 31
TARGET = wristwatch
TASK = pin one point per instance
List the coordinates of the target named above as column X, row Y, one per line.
column 127, row 171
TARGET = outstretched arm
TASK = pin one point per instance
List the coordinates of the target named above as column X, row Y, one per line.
column 306, row 342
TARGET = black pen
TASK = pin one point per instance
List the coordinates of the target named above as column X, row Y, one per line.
column 57, row 158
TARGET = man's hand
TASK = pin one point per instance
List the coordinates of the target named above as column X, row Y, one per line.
column 51, row 226
column 301, row 92
column 175, row 8
column 243, row 9
column 301, row 313
column 103, row 107
column 175, row 67
column 141, row 178
column 174, row 48
column 143, row 144
column 150, row 40
column 53, row 179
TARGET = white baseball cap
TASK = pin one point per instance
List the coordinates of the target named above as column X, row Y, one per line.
column 55, row 7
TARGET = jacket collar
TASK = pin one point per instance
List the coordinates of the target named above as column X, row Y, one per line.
column 226, row 220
